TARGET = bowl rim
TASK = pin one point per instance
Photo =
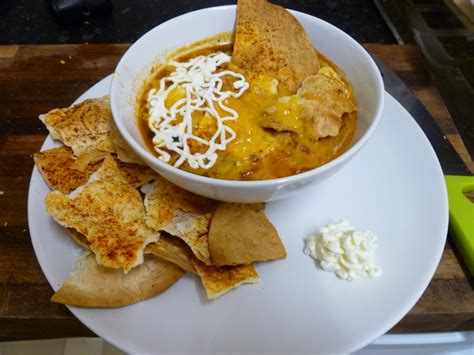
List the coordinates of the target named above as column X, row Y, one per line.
column 248, row 184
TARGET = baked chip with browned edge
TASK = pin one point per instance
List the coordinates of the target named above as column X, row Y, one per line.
column 219, row 280
column 93, row 285
column 242, row 234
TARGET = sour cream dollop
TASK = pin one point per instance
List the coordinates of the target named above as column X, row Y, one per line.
column 340, row 248
column 203, row 86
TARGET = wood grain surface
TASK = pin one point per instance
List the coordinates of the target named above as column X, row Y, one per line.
column 34, row 79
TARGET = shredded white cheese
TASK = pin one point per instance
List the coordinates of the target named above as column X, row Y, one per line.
column 173, row 127
column 341, row 249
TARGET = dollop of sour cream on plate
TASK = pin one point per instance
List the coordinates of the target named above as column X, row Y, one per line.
column 203, row 86
column 340, row 248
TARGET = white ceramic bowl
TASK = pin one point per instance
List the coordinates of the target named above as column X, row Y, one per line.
column 351, row 57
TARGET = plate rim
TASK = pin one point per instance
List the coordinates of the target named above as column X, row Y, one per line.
column 380, row 330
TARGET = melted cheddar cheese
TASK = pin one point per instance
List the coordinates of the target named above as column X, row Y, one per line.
column 272, row 140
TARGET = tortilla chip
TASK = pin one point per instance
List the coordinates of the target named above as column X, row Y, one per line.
column 123, row 150
column 242, row 234
column 136, row 175
column 110, row 213
column 91, row 157
column 162, row 198
column 192, row 228
column 219, row 280
column 269, row 40
column 174, row 250
column 324, row 99
column 79, row 238
column 168, row 248
column 93, row 285
column 278, row 126
column 325, row 124
column 180, row 213
column 83, row 127
column 55, row 166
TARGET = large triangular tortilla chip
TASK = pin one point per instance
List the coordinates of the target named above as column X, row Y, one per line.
column 93, row 285
column 83, row 127
column 269, row 40
column 174, row 250
column 242, row 234
column 110, row 213
column 219, row 280
column 55, row 166
column 324, row 99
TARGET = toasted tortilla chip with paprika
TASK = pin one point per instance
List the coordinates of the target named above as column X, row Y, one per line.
column 109, row 213
column 58, row 169
column 93, row 285
column 168, row 248
column 271, row 41
column 242, row 234
column 55, row 166
column 83, row 127
column 219, row 280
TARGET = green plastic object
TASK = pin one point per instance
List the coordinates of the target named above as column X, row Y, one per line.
column 461, row 216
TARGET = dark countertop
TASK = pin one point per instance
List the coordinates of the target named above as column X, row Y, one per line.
column 33, row 80
column 33, row 21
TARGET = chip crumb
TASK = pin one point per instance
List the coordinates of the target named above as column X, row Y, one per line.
column 62, row 61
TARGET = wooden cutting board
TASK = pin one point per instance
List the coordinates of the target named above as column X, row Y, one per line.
column 34, row 79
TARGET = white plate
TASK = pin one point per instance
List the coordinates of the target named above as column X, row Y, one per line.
column 394, row 187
